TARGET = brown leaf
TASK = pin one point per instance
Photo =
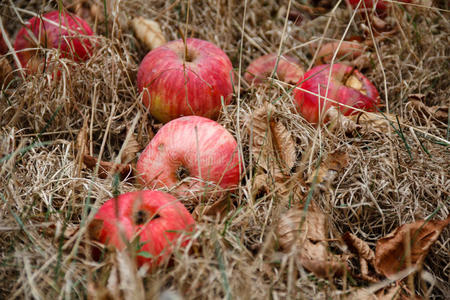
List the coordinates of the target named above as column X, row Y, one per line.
column 284, row 146
column 6, row 74
column 391, row 255
column 358, row 246
column 375, row 121
column 95, row 291
column 390, row 293
column 329, row 169
column 307, row 231
column 107, row 168
column 273, row 148
column 439, row 113
column 148, row 32
column 214, row 209
column 130, row 150
column 284, row 187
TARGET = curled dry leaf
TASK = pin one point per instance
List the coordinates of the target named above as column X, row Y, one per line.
column 6, row 74
column 365, row 254
column 358, row 246
column 216, row 208
column 329, row 169
column 374, row 121
column 130, row 149
column 273, row 148
column 107, row 168
column 148, row 32
column 389, row 293
column 307, row 232
column 440, row 113
column 364, row 122
column 275, row 183
column 392, row 254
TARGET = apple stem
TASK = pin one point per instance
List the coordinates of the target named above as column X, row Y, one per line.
column 183, row 37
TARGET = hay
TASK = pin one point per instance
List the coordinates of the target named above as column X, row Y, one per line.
column 392, row 178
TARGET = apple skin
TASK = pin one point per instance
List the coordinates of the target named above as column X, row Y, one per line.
column 50, row 34
column 172, row 88
column 190, row 146
column 158, row 218
column 288, row 69
column 340, row 89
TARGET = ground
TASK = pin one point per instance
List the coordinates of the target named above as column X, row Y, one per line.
column 390, row 177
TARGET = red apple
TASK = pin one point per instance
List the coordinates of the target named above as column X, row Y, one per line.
column 62, row 31
column 174, row 85
column 190, row 147
column 156, row 218
column 346, row 86
column 288, row 69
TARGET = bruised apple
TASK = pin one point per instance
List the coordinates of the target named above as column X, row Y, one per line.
column 156, row 218
column 288, row 69
column 190, row 154
column 346, row 85
column 57, row 30
column 181, row 79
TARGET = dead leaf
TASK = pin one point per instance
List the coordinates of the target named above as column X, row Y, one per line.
column 95, row 291
column 365, row 254
column 375, row 121
column 439, row 113
column 284, row 187
column 214, row 209
column 107, row 168
column 6, row 74
column 130, row 149
column 284, row 146
column 148, row 32
column 273, row 148
column 358, row 246
column 307, row 232
column 391, row 255
column 329, row 170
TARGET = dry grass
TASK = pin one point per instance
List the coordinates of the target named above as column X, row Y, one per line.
column 393, row 178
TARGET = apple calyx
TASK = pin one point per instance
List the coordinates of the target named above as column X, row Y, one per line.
column 182, row 173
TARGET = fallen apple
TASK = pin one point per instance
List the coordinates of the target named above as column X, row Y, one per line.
column 288, row 69
column 190, row 154
column 57, row 30
column 345, row 86
column 158, row 220
column 181, row 79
